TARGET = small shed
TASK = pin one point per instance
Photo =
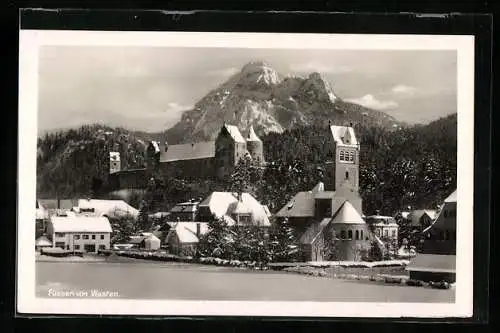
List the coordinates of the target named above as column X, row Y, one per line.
column 151, row 242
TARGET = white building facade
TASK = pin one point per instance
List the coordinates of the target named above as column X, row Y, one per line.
column 80, row 233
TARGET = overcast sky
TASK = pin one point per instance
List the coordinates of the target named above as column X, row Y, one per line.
column 148, row 88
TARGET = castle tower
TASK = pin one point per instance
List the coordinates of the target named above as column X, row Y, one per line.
column 230, row 147
column 152, row 157
column 343, row 171
column 255, row 146
column 114, row 162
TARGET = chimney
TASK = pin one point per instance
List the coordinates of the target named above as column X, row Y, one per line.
column 198, row 230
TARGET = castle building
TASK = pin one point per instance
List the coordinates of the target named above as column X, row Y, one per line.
column 332, row 211
column 209, row 159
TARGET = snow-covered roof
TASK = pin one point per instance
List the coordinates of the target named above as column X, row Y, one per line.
column 223, row 204
column 235, row 133
column 186, row 231
column 108, row 207
column 343, row 135
column 155, row 146
column 251, row 135
column 43, row 241
column 348, row 215
column 188, row 151
column 80, row 224
column 452, row 197
column 114, row 156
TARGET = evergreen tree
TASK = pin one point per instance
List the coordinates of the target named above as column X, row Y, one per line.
column 283, row 241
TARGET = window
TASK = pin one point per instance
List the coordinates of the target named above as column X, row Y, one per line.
column 351, row 156
column 93, row 236
column 85, row 237
column 59, row 234
column 342, row 234
column 76, row 247
column 77, row 237
column 62, row 245
column 361, row 232
column 393, row 233
column 445, row 213
column 386, row 233
column 357, row 234
column 446, row 235
column 349, row 234
column 102, row 236
column 102, row 247
column 342, row 157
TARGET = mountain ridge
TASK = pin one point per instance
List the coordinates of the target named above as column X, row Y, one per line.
column 258, row 95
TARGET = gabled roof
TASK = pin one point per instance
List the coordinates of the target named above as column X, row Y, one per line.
column 251, row 136
column 224, row 204
column 347, row 215
column 416, row 215
column 303, row 203
column 235, row 133
column 188, row 151
column 185, row 207
column 343, row 135
column 186, row 231
column 108, row 207
column 433, row 263
column 43, row 241
column 80, row 224
column 452, row 197
column 314, row 230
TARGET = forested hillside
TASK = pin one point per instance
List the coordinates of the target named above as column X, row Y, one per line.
column 412, row 166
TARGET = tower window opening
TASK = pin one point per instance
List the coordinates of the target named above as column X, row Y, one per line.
column 347, row 175
column 351, row 156
column 342, row 158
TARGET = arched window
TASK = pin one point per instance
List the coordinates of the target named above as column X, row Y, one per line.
column 342, row 234
column 342, row 155
column 347, row 175
column 349, row 233
column 351, row 156
column 361, row 237
column 357, row 234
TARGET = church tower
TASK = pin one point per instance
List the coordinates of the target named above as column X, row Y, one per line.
column 343, row 170
column 114, row 162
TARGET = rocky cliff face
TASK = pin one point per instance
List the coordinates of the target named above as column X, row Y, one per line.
column 271, row 102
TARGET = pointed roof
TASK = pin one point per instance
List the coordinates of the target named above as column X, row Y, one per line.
column 348, row 215
column 235, row 133
column 452, row 197
column 252, row 136
column 343, row 135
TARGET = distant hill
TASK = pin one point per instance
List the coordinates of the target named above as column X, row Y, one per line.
column 271, row 102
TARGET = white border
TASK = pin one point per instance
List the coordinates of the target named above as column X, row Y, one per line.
column 31, row 40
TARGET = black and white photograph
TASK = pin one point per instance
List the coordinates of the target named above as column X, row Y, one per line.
column 189, row 173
